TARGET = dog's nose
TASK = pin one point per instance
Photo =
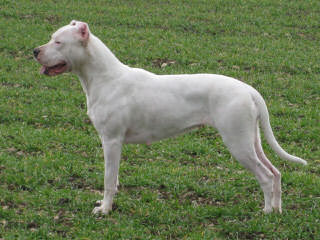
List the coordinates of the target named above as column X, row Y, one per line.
column 36, row 52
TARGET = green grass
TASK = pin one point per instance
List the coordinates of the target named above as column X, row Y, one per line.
column 188, row 187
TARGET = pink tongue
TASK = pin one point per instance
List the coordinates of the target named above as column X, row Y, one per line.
column 58, row 69
column 42, row 70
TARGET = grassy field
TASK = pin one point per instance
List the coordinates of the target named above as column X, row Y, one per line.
column 188, row 187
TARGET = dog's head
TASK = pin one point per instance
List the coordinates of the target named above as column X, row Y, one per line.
column 67, row 48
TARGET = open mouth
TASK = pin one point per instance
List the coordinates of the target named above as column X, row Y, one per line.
column 54, row 70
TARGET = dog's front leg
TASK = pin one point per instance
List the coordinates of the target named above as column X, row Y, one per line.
column 112, row 154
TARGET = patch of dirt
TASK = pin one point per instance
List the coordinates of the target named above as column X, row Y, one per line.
column 162, row 63
column 198, row 199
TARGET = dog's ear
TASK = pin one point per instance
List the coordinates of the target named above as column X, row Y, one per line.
column 84, row 32
column 73, row 22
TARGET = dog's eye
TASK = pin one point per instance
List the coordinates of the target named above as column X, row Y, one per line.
column 57, row 42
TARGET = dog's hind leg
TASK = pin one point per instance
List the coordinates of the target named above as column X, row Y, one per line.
column 276, row 200
column 244, row 152
column 238, row 131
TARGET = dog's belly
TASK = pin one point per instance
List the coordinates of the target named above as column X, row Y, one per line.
column 162, row 121
column 150, row 135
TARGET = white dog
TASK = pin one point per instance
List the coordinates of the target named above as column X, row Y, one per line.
column 131, row 105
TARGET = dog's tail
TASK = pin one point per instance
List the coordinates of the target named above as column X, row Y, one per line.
column 266, row 127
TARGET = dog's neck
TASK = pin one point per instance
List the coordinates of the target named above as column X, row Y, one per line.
column 103, row 63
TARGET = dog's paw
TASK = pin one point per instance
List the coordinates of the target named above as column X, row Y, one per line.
column 278, row 209
column 267, row 210
column 102, row 209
